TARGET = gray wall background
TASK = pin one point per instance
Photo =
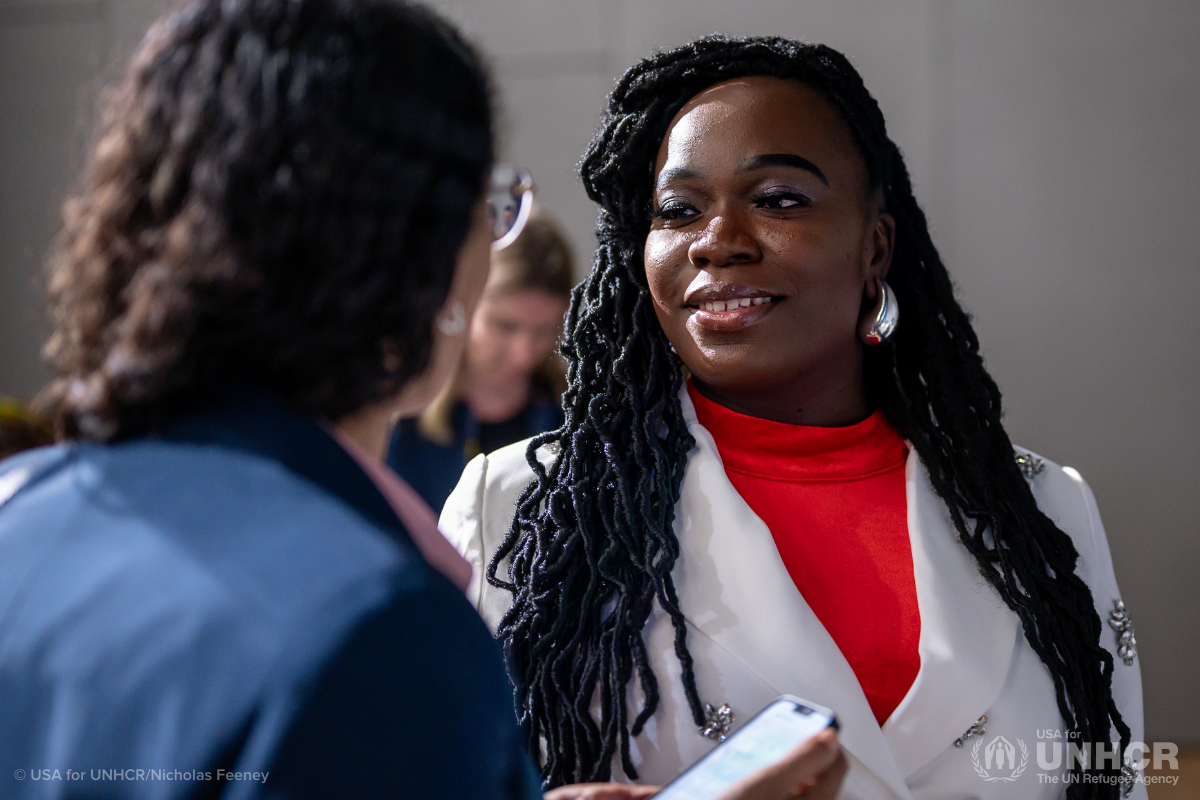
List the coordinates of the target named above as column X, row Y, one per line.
column 1054, row 145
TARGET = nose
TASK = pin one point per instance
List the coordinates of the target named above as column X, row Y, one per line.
column 724, row 242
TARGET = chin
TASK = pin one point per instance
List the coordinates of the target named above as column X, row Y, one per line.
column 739, row 373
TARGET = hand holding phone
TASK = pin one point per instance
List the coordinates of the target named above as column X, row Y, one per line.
column 814, row 771
column 789, row 749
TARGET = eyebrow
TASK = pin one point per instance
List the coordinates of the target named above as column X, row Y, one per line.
column 676, row 174
column 748, row 165
column 782, row 160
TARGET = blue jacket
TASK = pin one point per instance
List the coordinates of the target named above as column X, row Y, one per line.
column 235, row 596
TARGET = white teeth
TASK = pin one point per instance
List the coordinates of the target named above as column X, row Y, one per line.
column 732, row 305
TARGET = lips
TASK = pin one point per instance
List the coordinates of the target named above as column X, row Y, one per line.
column 728, row 307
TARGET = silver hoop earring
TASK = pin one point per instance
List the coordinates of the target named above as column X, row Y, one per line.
column 454, row 323
column 881, row 325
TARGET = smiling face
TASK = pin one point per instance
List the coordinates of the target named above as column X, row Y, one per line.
column 765, row 250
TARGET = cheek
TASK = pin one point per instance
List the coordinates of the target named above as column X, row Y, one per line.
column 483, row 343
column 479, row 333
column 665, row 258
column 824, row 268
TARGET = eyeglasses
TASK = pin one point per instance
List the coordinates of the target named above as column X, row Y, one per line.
column 510, row 199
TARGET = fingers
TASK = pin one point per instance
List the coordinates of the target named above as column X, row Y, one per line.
column 814, row 771
column 602, row 791
column 826, row 787
column 804, row 769
column 617, row 791
column 805, row 764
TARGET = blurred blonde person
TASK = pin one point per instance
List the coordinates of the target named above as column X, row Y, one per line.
column 509, row 382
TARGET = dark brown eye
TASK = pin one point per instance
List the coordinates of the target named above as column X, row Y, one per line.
column 782, row 200
column 674, row 211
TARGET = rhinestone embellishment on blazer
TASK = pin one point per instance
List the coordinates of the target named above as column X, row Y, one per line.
column 717, row 722
column 1030, row 465
column 1127, row 778
column 1120, row 622
column 976, row 729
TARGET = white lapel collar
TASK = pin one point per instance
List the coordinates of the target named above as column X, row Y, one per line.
column 967, row 634
column 734, row 587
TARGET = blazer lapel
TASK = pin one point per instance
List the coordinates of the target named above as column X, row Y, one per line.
column 734, row 587
column 967, row 634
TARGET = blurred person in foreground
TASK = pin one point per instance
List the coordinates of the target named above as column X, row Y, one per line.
column 508, row 383
column 214, row 578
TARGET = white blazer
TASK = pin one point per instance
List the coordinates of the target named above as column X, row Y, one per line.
column 754, row 637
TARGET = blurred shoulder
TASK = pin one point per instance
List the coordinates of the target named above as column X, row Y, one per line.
column 173, row 575
column 18, row 470
column 219, row 536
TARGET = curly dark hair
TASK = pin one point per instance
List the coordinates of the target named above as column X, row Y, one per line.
column 592, row 546
column 276, row 196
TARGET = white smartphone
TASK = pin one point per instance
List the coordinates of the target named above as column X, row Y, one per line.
column 769, row 736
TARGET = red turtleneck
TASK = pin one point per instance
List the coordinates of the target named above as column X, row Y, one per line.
column 834, row 501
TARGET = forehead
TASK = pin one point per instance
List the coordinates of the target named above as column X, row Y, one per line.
column 758, row 115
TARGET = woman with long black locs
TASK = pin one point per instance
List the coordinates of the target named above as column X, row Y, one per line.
column 591, row 559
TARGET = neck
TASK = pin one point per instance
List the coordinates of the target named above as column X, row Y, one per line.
column 368, row 428
column 822, row 398
column 491, row 399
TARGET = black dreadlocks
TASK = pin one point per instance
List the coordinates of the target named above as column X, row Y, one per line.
column 592, row 544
